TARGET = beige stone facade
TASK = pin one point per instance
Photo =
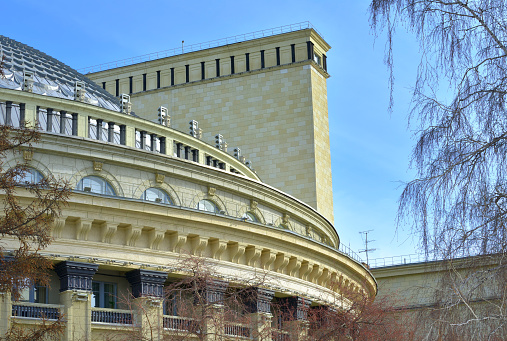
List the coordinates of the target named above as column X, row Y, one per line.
column 272, row 106
column 107, row 236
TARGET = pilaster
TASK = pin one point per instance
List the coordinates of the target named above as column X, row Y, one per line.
column 148, row 292
column 75, row 296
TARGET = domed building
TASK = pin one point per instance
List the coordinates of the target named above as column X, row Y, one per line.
column 148, row 193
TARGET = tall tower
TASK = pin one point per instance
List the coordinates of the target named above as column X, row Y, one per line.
column 267, row 96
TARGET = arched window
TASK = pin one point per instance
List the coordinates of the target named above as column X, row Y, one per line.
column 248, row 216
column 31, row 176
column 207, row 205
column 94, row 184
column 156, row 195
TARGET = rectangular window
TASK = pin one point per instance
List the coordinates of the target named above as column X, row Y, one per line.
column 277, row 56
column 34, row 294
column 316, row 59
column 103, row 295
column 172, row 76
column 117, row 81
column 309, row 48
column 158, row 79
column 187, row 73
column 247, row 56
column 262, row 59
column 324, row 62
column 144, row 82
column 232, row 65
column 293, row 52
column 218, row 67
column 104, row 85
column 131, row 87
column 203, row 71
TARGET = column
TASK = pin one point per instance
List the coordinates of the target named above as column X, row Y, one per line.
column 162, row 145
column 99, row 130
column 295, row 318
column 123, row 134
column 8, row 113
column 110, row 132
column 5, row 312
column 75, row 296
column 212, row 306
column 148, row 292
column 153, row 141
column 22, row 114
column 74, row 124
column 143, row 139
column 63, row 119
column 258, row 305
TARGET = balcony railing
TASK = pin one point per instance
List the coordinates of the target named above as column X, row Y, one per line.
column 237, row 330
column 179, row 323
column 36, row 310
column 280, row 335
column 112, row 316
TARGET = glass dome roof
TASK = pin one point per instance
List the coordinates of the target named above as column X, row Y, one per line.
column 51, row 77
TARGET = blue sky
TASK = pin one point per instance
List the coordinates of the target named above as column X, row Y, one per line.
column 370, row 148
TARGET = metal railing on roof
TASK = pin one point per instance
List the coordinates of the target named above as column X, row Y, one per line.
column 347, row 250
column 199, row 46
column 398, row 260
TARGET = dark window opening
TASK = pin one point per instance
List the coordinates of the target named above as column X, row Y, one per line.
column 144, row 82
column 131, row 88
column 203, row 71
column 218, row 67
column 293, row 52
column 232, row 65
column 187, row 73
column 172, row 76
column 247, row 55
column 262, row 59
column 158, row 79
column 104, row 85
column 277, row 56
column 117, row 81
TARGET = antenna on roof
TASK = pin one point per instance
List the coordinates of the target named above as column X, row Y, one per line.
column 182, row 42
column 366, row 250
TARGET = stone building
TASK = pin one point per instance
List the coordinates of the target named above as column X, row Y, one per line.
column 147, row 193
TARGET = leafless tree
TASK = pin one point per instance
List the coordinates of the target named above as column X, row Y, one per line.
column 458, row 200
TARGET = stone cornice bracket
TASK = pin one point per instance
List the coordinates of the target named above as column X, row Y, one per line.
column 324, row 278
column 178, row 241
column 315, row 273
column 57, row 227
column 304, row 271
column 293, row 266
column 198, row 245
column 146, row 282
column 133, row 233
column 211, row 191
column 107, row 232
column 267, row 258
column 83, row 228
column 281, row 262
column 217, row 248
column 236, row 251
column 75, row 275
column 159, row 178
column 156, row 237
column 252, row 255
